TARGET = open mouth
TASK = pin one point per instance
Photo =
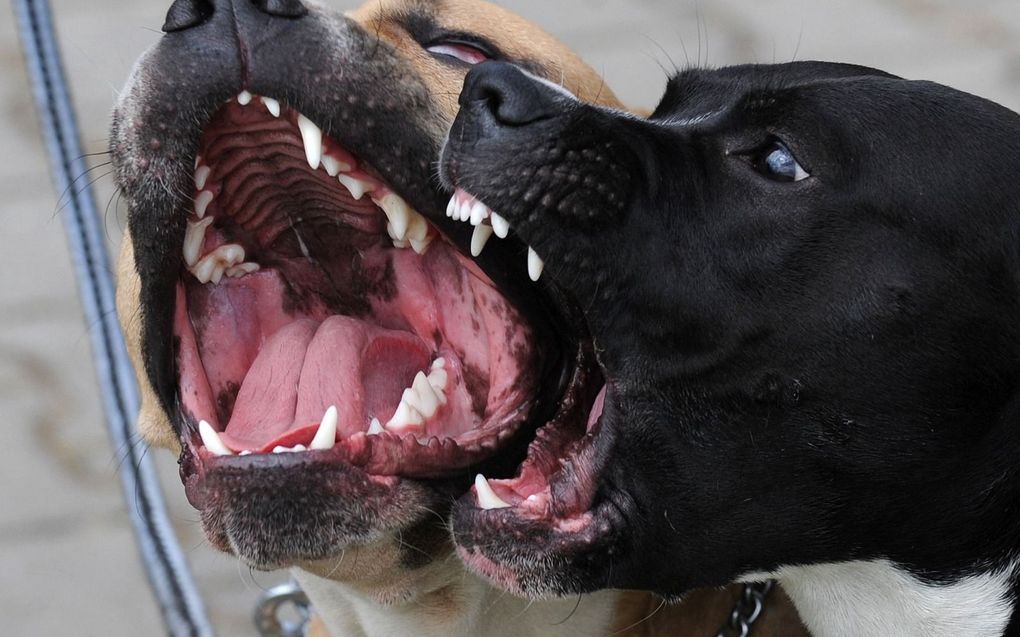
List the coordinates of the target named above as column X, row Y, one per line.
column 320, row 317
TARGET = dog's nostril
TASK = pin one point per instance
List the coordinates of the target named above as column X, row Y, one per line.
column 281, row 8
column 185, row 14
column 512, row 97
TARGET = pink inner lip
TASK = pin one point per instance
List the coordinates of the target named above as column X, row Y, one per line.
column 337, row 315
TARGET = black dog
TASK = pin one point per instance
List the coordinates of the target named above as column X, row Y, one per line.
column 802, row 284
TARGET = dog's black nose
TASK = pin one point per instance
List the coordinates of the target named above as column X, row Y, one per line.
column 513, row 97
column 187, row 14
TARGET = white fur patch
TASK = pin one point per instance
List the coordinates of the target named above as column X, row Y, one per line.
column 876, row 598
column 467, row 607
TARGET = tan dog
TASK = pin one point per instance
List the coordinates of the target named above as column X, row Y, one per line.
column 295, row 306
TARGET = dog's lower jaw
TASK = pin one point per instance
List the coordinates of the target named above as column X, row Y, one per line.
column 872, row 598
column 457, row 606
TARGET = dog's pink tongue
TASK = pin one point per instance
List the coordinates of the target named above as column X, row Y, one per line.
column 306, row 367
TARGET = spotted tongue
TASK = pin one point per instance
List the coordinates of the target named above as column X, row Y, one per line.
column 306, row 367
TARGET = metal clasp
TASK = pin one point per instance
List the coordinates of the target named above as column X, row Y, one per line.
column 269, row 612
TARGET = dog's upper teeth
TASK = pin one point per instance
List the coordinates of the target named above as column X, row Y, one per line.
column 214, row 265
column 535, row 265
column 244, row 98
column 479, row 238
column 212, row 441
column 479, row 213
column 311, row 135
column 453, row 207
column 375, row 428
column 194, row 239
column 334, row 166
column 355, row 186
column 202, row 176
column 325, row 437
column 487, row 498
column 500, row 226
column 294, row 449
column 202, row 201
column 272, row 106
column 398, row 213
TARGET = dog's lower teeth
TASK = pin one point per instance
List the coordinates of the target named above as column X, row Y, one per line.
column 325, row 437
column 214, row 265
column 376, row 428
column 212, row 441
column 294, row 449
column 535, row 265
column 479, row 238
column 243, row 269
column 311, row 135
column 244, row 98
column 487, row 498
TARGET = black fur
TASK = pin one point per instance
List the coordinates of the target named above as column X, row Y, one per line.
column 799, row 372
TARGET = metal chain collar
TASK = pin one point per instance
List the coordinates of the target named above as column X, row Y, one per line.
column 747, row 610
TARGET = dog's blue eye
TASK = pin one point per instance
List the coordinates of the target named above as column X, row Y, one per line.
column 463, row 52
column 777, row 162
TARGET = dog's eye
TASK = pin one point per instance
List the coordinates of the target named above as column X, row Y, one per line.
column 459, row 50
column 775, row 161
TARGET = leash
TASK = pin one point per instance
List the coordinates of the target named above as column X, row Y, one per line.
column 180, row 603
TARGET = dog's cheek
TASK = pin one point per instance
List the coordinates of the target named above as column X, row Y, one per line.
column 153, row 423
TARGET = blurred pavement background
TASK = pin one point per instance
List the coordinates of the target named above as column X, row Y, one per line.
column 69, row 564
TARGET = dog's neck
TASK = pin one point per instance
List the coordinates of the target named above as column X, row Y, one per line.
column 877, row 598
column 463, row 607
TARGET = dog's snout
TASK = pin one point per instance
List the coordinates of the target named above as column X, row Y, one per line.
column 187, row 14
column 512, row 97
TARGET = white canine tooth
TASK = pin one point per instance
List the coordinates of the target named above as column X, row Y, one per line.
column 398, row 212
column 375, row 428
column 487, row 498
column 355, row 186
column 272, row 106
column 311, row 135
column 212, row 441
column 479, row 212
column 202, row 176
column 479, row 238
column 194, row 238
column 535, row 265
column 244, row 98
column 325, row 437
column 202, row 201
column 500, row 226
column 243, row 269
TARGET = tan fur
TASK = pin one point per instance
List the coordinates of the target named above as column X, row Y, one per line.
column 375, row 572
